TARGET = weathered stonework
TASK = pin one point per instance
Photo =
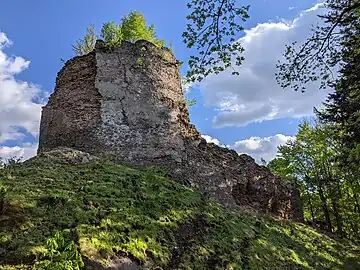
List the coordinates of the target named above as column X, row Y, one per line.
column 127, row 102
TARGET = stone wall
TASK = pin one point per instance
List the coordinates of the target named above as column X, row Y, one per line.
column 128, row 102
column 73, row 110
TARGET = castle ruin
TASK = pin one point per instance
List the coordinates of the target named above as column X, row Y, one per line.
column 127, row 102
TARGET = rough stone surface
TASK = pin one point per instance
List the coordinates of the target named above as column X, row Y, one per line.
column 127, row 102
column 67, row 156
column 114, row 263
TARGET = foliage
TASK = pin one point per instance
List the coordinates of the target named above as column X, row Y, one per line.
column 3, row 191
column 322, row 53
column 62, row 254
column 328, row 191
column 186, row 102
column 112, row 34
column 343, row 106
column 133, row 27
column 190, row 102
column 86, row 44
column 212, row 28
column 140, row 61
column 107, row 209
column 334, row 46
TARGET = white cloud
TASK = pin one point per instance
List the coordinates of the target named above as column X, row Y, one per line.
column 24, row 151
column 254, row 95
column 258, row 147
column 186, row 86
column 12, row 134
column 210, row 139
column 18, row 110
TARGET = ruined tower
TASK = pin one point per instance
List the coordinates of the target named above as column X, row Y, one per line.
column 127, row 102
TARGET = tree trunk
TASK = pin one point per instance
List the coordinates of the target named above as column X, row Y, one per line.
column 357, row 205
column 325, row 209
column 337, row 218
column 311, row 210
column 2, row 203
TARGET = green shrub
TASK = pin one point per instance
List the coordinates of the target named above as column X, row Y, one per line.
column 133, row 27
column 111, row 33
column 140, row 61
column 86, row 44
column 62, row 254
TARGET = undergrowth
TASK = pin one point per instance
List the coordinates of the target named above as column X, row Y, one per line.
column 58, row 216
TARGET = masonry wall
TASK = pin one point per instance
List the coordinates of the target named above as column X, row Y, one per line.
column 127, row 102
column 73, row 110
column 140, row 95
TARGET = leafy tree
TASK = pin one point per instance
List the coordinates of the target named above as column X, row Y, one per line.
column 86, row 44
column 332, row 46
column 327, row 190
column 112, row 34
column 343, row 106
column 212, row 30
column 316, row 58
column 132, row 28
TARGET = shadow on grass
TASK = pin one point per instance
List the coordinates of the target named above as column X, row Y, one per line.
column 13, row 221
column 113, row 211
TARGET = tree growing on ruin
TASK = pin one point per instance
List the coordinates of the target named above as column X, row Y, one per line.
column 133, row 27
column 87, row 43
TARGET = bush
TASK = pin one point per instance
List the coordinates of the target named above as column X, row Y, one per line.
column 86, row 44
column 62, row 254
column 133, row 27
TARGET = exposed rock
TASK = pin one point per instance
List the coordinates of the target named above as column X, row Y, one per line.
column 127, row 102
column 67, row 156
column 114, row 263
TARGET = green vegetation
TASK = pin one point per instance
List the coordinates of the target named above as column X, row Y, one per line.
column 86, row 44
column 331, row 57
column 324, row 159
column 188, row 103
column 140, row 61
column 133, row 27
column 61, row 253
column 329, row 191
column 58, row 215
column 3, row 192
column 212, row 29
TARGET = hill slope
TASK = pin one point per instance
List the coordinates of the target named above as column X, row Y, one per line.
column 64, row 216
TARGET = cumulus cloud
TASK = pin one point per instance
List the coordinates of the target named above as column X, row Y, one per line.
column 25, row 151
column 210, row 139
column 254, row 95
column 18, row 109
column 261, row 148
column 256, row 147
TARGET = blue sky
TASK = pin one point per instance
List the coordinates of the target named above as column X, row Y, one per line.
column 250, row 113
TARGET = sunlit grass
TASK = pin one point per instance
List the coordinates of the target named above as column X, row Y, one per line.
column 107, row 209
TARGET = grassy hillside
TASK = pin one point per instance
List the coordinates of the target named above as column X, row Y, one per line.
column 59, row 216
